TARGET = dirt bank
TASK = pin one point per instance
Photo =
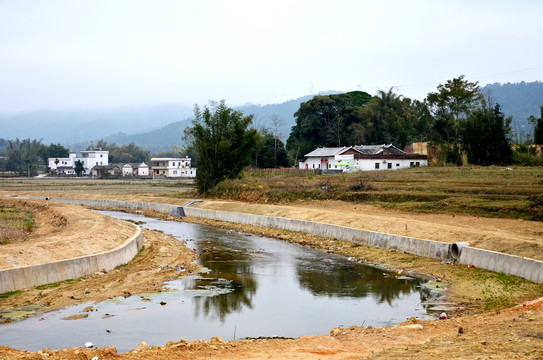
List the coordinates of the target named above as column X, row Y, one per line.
column 62, row 231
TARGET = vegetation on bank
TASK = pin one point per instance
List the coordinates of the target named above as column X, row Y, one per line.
column 14, row 223
column 481, row 191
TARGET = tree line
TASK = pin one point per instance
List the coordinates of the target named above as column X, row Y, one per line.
column 29, row 156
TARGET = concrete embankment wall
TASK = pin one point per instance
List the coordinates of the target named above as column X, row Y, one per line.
column 30, row 276
column 490, row 260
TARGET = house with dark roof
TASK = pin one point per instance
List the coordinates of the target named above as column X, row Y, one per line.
column 361, row 158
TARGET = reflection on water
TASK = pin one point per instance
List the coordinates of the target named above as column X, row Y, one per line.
column 253, row 286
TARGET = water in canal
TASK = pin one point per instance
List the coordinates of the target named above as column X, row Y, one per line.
column 255, row 287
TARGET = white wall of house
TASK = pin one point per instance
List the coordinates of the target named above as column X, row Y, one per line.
column 361, row 164
column 143, row 169
column 171, row 167
column 89, row 158
column 127, row 170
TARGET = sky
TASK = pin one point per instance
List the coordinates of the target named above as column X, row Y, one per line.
column 86, row 54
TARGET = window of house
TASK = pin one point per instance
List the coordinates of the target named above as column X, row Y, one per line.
column 313, row 166
column 417, row 163
column 377, row 165
column 397, row 164
column 389, row 165
column 411, row 163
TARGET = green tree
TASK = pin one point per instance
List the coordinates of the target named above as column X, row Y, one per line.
column 485, row 136
column 450, row 105
column 52, row 151
column 129, row 153
column 79, row 167
column 391, row 118
column 325, row 121
column 224, row 143
column 538, row 127
column 23, row 156
column 271, row 151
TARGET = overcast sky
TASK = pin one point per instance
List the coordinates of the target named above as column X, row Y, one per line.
column 107, row 54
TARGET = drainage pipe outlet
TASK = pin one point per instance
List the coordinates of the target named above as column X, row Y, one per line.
column 456, row 249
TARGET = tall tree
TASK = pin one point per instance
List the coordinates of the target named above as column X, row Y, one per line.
column 390, row 118
column 23, row 156
column 271, row 151
column 538, row 127
column 79, row 169
column 451, row 104
column 224, row 143
column 325, row 120
column 52, row 151
column 455, row 99
column 485, row 136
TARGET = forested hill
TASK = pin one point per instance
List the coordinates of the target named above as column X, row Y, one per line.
column 519, row 100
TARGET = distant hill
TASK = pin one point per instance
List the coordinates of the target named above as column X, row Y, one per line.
column 519, row 100
column 72, row 126
column 163, row 138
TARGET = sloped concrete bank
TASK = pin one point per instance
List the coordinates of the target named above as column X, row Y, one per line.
column 526, row 268
column 30, row 276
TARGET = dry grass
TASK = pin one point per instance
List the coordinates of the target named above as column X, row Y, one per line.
column 14, row 223
column 481, row 191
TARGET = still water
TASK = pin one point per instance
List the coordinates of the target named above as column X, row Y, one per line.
column 255, row 286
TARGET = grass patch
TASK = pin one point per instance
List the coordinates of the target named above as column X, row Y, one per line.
column 9, row 293
column 15, row 223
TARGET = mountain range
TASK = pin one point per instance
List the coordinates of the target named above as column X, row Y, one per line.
column 157, row 128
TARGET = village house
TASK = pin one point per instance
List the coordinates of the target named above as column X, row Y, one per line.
column 88, row 158
column 361, row 158
column 135, row 169
column 172, row 167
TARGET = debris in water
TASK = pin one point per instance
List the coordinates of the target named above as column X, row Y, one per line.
column 443, row 316
column 162, row 303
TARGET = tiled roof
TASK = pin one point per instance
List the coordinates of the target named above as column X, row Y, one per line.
column 324, row 151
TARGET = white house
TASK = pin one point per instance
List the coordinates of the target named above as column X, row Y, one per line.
column 362, row 157
column 172, row 167
column 89, row 159
column 135, row 169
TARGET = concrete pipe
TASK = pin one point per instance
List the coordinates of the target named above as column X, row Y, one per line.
column 456, row 249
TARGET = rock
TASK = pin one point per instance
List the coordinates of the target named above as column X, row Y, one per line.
column 88, row 309
column 412, row 327
column 88, row 345
column 335, row 331
column 162, row 303
column 76, row 317
column 217, row 339
column 142, row 346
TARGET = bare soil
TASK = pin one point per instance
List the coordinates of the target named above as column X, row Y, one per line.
column 504, row 334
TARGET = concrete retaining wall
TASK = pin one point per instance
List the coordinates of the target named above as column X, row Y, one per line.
column 485, row 259
column 526, row 268
column 30, row 276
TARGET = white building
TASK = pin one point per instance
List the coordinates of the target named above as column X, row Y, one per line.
column 135, row 169
column 172, row 167
column 89, row 159
column 363, row 157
